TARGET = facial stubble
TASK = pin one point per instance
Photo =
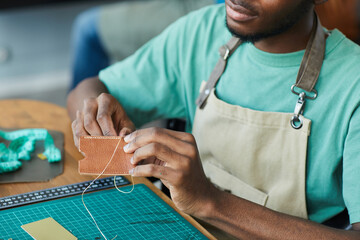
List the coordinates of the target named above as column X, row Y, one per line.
column 278, row 26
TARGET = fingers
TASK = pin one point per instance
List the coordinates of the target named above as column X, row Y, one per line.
column 152, row 160
column 153, row 170
column 78, row 128
column 97, row 116
column 90, row 109
column 104, row 114
column 125, row 131
column 182, row 143
column 183, row 136
column 126, row 125
column 101, row 116
column 156, row 152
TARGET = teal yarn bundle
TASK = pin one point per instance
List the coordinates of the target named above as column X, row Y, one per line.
column 22, row 144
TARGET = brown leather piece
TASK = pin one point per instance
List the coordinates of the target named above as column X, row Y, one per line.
column 98, row 151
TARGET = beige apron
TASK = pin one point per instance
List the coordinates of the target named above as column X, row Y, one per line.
column 259, row 156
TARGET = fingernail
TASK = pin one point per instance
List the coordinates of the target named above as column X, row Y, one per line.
column 132, row 160
column 131, row 172
column 127, row 138
column 126, row 147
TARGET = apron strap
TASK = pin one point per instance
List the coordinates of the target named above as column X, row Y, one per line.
column 225, row 52
column 308, row 73
column 313, row 59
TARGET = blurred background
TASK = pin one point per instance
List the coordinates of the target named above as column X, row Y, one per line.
column 35, row 43
column 35, row 47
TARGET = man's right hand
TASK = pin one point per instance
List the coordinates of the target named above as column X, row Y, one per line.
column 100, row 116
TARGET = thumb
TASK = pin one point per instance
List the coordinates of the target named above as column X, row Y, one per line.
column 127, row 128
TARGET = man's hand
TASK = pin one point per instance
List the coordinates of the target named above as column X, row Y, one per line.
column 173, row 157
column 101, row 116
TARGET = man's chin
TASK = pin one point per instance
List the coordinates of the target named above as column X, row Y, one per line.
column 244, row 37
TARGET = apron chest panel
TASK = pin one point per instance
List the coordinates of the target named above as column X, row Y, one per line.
column 277, row 153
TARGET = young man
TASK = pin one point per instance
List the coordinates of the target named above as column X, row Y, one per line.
column 278, row 174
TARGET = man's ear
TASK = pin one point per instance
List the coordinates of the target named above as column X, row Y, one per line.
column 317, row 2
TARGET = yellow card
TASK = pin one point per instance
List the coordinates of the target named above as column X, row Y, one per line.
column 47, row 229
column 41, row 156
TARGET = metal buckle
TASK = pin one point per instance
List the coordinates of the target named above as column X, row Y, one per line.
column 308, row 97
column 227, row 53
column 296, row 120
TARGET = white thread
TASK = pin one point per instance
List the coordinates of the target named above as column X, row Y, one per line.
column 82, row 195
column 132, row 180
column 102, row 137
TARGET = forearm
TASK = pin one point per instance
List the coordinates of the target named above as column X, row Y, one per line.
column 89, row 88
column 247, row 220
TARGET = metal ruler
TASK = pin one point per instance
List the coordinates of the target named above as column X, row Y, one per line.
column 59, row 192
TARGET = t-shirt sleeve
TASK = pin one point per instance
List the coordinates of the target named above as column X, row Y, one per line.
column 148, row 84
column 351, row 168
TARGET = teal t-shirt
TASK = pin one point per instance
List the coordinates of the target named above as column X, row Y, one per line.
column 162, row 79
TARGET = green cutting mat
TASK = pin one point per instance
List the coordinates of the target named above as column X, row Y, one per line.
column 138, row 215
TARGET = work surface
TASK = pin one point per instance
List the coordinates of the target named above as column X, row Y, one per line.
column 139, row 215
column 34, row 114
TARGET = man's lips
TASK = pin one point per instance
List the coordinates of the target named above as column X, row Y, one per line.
column 238, row 12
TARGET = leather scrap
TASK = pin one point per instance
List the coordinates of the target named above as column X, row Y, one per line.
column 98, row 151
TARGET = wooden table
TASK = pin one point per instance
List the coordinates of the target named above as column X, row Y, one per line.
column 35, row 114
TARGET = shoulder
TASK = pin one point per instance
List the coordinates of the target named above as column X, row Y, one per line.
column 341, row 70
column 342, row 58
column 342, row 49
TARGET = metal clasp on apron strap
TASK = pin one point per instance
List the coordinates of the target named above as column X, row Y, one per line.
column 296, row 121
